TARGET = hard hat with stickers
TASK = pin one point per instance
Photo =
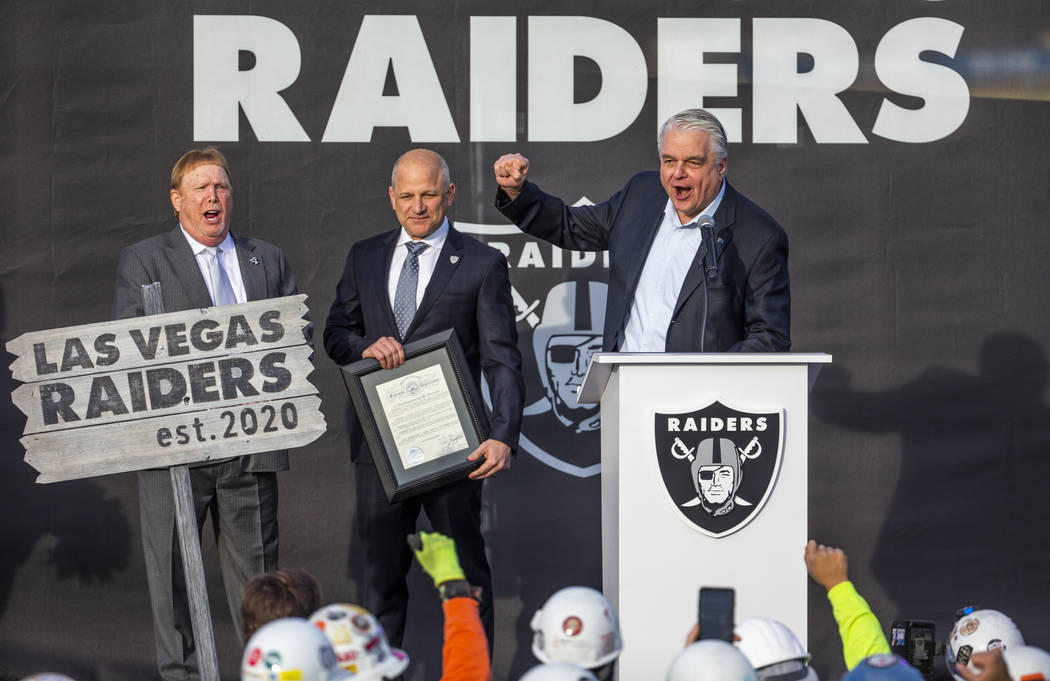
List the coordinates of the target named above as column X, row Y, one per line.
column 290, row 649
column 977, row 631
column 576, row 624
column 359, row 641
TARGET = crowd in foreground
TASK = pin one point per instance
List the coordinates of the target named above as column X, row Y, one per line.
column 289, row 636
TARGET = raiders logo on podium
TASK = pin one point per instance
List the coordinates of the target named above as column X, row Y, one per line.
column 719, row 464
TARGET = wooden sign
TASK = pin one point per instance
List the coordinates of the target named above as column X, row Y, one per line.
column 167, row 389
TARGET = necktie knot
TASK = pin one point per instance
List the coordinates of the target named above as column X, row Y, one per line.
column 415, row 248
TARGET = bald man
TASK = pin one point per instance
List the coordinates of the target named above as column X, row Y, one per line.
column 413, row 281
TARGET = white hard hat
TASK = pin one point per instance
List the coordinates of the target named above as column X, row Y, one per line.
column 359, row 641
column 765, row 641
column 976, row 632
column 576, row 624
column 289, row 648
column 47, row 676
column 711, row 660
column 1027, row 663
column 558, row 671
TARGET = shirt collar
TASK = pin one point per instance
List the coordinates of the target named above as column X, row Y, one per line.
column 197, row 247
column 709, row 209
column 435, row 240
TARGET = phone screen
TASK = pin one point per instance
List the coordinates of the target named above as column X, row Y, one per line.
column 716, row 613
column 916, row 642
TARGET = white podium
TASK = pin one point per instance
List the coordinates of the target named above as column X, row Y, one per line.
column 660, row 479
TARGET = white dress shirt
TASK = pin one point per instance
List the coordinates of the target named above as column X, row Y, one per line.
column 666, row 266
column 228, row 261
column 428, row 261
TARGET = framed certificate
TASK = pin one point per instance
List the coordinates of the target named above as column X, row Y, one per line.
column 423, row 418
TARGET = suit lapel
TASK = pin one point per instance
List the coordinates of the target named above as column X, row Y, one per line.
column 177, row 251
column 725, row 216
column 448, row 260
column 253, row 273
column 375, row 278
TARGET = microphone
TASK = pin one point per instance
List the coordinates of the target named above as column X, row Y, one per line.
column 707, row 235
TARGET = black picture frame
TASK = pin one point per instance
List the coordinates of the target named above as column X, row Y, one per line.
column 369, row 384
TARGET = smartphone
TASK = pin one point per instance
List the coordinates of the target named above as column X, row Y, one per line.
column 716, row 614
column 916, row 642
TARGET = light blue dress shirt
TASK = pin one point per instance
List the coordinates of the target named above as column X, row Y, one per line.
column 673, row 250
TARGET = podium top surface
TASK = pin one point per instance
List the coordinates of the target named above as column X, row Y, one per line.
column 603, row 363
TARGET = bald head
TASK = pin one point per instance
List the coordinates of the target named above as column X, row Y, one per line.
column 420, row 192
column 423, row 159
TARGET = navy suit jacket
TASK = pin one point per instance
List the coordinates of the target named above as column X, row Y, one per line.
column 469, row 291
column 750, row 303
column 168, row 259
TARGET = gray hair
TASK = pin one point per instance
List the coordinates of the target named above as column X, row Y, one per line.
column 446, row 177
column 696, row 120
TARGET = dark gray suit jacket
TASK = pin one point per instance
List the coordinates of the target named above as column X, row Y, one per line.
column 750, row 303
column 168, row 259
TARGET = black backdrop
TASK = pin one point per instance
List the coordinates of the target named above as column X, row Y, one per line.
column 919, row 266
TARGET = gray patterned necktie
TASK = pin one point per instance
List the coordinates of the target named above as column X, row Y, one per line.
column 222, row 290
column 405, row 293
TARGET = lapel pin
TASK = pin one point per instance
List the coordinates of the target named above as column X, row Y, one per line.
column 253, row 260
column 453, row 259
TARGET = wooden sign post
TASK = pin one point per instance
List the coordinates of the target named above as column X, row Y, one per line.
column 168, row 390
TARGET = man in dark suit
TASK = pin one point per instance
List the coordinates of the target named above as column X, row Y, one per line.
column 200, row 264
column 406, row 284
column 655, row 301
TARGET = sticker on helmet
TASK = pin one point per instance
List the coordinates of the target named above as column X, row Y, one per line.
column 969, row 626
column 995, row 644
column 272, row 659
column 362, row 623
column 327, row 656
column 572, row 626
column 254, row 656
column 962, row 656
column 882, row 661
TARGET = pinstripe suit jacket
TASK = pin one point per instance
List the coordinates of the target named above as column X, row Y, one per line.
column 168, row 259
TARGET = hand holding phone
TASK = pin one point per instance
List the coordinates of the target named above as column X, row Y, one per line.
column 716, row 613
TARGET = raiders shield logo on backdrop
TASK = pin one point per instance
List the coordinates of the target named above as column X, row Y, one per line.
column 719, row 464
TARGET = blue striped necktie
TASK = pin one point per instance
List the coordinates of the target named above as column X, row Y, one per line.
column 405, row 294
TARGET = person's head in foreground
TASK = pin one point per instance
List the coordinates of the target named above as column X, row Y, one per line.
column 711, row 660
column 977, row 631
column 290, row 648
column 277, row 594
column 883, row 667
column 558, row 671
column 359, row 642
column 773, row 650
column 577, row 624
